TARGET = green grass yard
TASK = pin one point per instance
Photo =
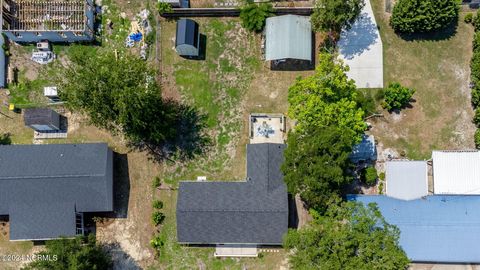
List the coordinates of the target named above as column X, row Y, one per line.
column 438, row 68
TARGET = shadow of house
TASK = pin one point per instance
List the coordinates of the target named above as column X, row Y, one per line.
column 359, row 37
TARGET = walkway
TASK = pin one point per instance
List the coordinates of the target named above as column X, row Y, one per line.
column 361, row 49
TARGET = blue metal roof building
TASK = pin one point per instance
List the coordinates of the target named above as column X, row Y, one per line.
column 439, row 228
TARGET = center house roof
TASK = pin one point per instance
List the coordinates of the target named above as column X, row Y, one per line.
column 251, row 212
column 43, row 186
column 288, row 37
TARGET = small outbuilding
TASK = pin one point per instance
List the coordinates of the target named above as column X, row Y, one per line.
column 365, row 151
column 406, row 180
column 288, row 37
column 187, row 42
column 42, row 119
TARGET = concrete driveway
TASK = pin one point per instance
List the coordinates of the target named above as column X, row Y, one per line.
column 361, row 49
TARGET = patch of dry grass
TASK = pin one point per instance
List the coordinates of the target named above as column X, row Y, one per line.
column 437, row 66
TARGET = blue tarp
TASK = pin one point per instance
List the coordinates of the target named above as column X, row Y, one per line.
column 136, row 36
column 435, row 228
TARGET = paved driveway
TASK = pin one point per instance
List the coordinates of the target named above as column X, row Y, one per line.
column 361, row 49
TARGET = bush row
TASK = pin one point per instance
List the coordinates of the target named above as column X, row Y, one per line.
column 475, row 78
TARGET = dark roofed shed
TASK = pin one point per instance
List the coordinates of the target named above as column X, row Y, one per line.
column 187, row 40
column 42, row 119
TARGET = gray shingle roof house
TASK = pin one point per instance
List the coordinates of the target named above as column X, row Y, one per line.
column 251, row 212
column 42, row 119
column 45, row 189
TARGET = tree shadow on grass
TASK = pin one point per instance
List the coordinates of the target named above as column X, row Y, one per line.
column 438, row 35
column 190, row 137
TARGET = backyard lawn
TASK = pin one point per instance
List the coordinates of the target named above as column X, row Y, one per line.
column 438, row 68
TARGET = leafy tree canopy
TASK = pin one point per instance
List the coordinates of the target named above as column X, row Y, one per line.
column 416, row 16
column 349, row 236
column 81, row 253
column 316, row 163
column 119, row 93
column 397, row 96
column 253, row 15
column 333, row 15
column 326, row 98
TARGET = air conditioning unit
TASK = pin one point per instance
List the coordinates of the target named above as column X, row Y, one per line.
column 43, row 46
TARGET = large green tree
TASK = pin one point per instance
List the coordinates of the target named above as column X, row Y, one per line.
column 417, row 16
column 81, row 253
column 333, row 15
column 118, row 92
column 326, row 98
column 317, row 162
column 254, row 15
column 349, row 236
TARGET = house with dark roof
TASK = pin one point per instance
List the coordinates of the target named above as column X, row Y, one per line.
column 237, row 214
column 46, row 189
column 42, row 119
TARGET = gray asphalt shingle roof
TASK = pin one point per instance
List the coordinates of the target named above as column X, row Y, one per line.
column 253, row 212
column 42, row 186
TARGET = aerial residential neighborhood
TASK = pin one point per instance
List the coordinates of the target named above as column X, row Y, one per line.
column 238, row 134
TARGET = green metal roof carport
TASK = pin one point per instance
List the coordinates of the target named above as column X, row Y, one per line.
column 288, row 37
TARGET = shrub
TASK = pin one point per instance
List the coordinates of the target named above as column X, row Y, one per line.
column 366, row 102
column 477, row 138
column 253, row 16
column 156, row 182
column 468, row 18
column 381, row 176
column 163, row 7
column 475, row 97
column 380, row 188
column 369, row 176
column 417, row 16
column 157, row 218
column 157, row 204
column 476, row 21
column 157, row 242
column 397, row 96
column 380, row 94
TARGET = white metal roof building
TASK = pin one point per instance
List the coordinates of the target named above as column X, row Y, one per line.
column 288, row 37
column 406, row 180
column 456, row 172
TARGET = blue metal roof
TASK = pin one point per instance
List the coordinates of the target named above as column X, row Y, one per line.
column 439, row 228
column 365, row 150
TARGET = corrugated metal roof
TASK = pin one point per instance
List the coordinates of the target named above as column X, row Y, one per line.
column 365, row 150
column 406, row 180
column 288, row 37
column 456, row 172
column 440, row 228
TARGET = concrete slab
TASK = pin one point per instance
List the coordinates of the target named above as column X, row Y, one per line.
column 267, row 128
column 362, row 50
